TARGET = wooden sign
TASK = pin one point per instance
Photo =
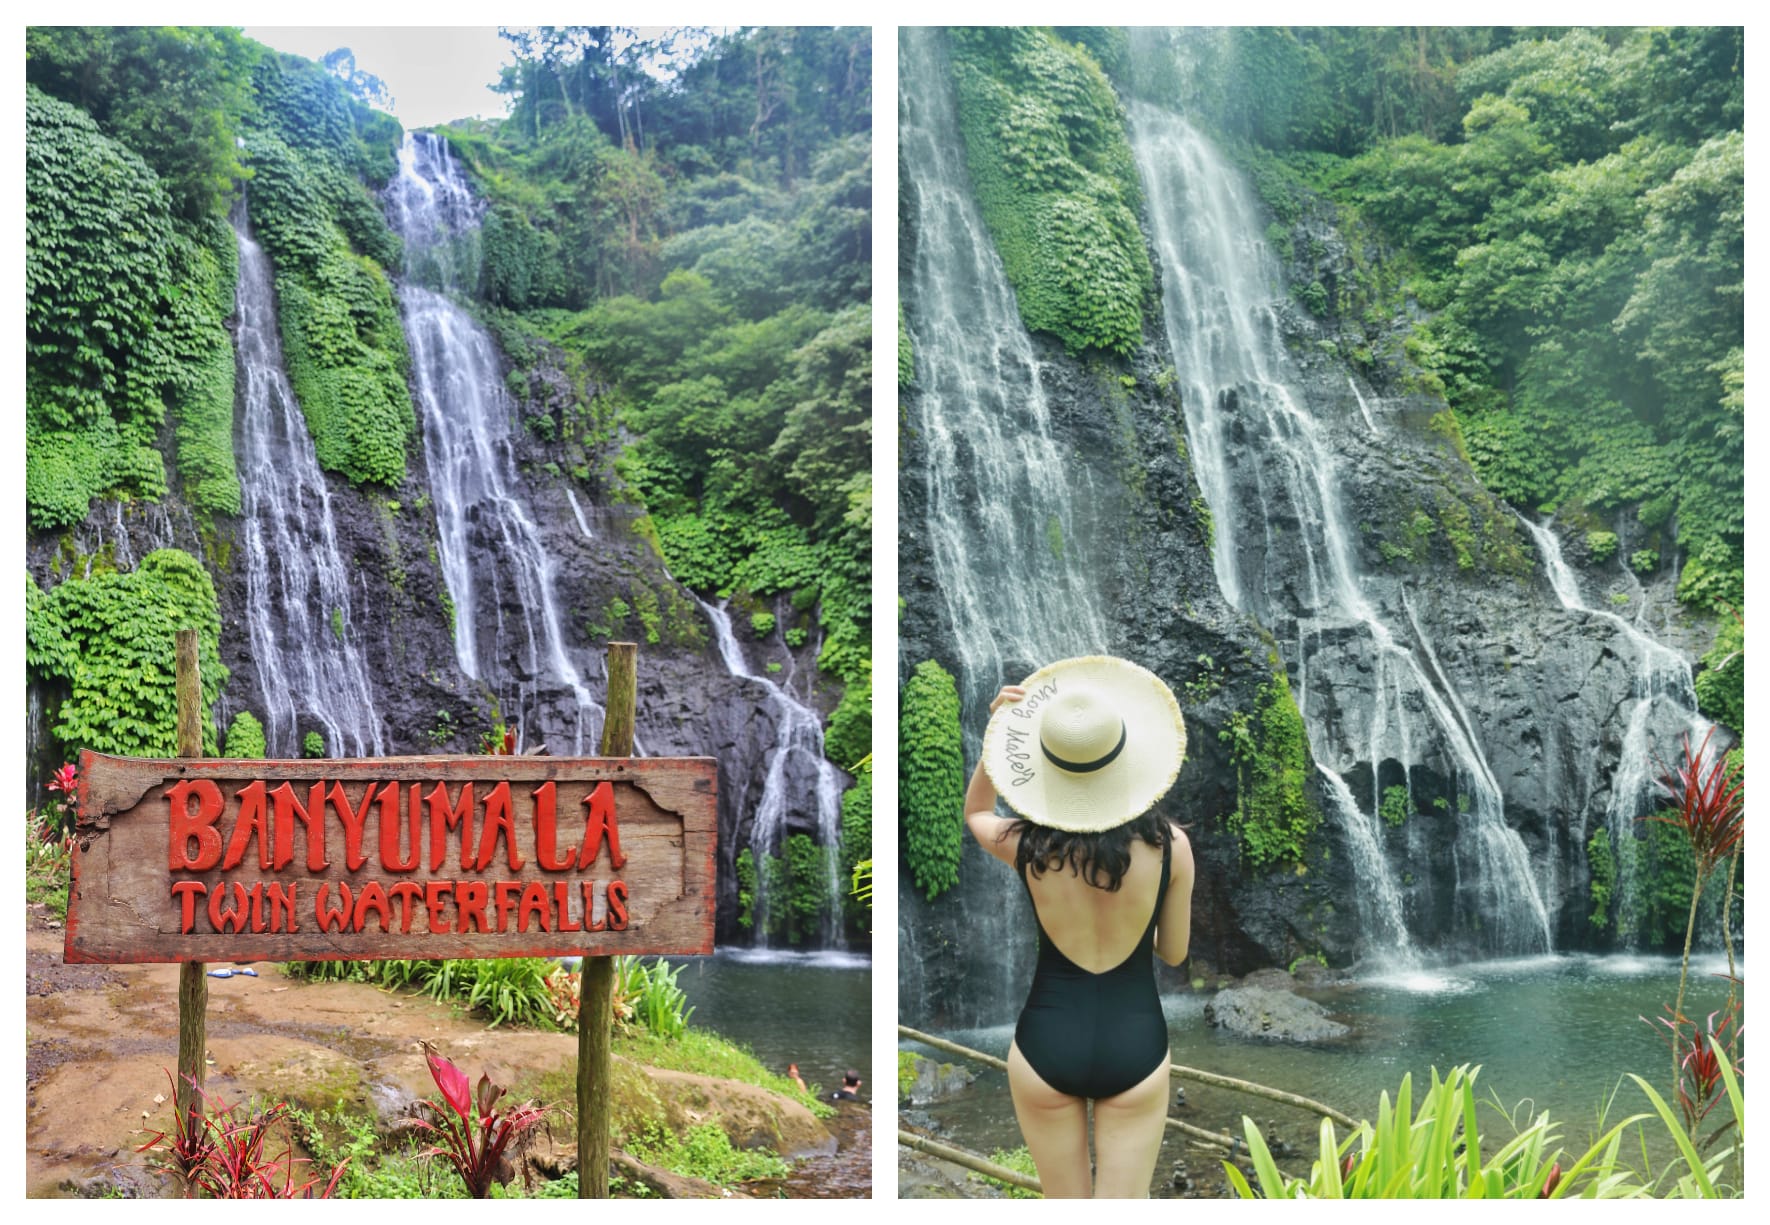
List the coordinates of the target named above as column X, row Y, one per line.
column 217, row 860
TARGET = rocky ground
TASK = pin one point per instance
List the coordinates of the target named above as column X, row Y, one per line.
column 99, row 1041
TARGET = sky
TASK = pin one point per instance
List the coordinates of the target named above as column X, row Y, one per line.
column 434, row 74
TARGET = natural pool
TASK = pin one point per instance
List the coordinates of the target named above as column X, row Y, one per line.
column 813, row 1009
column 1552, row 1033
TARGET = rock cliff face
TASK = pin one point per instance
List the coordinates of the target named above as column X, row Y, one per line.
column 690, row 704
column 1250, row 501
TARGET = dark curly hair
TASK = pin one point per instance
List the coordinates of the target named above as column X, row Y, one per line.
column 1105, row 854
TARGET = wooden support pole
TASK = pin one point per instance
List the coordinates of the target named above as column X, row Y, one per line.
column 968, row 1159
column 597, row 986
column 193, row 983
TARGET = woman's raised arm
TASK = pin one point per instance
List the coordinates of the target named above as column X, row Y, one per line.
column 980, row 798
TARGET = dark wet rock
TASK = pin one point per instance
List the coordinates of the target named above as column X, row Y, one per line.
column 1277, row 1016
column 936, row 1081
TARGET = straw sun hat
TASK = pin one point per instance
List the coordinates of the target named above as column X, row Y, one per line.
column 1094, row 743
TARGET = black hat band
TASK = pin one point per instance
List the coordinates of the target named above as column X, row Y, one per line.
column 1086, row 767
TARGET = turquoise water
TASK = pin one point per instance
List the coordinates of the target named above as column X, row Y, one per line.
column 813, row 1009
column 1554, row 1033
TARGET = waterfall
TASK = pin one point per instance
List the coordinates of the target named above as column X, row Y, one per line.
column 303, row 642
column 1662, row 684
column 799, row 738
column 1004, row 526
column 1268, row 468
column 500, row 575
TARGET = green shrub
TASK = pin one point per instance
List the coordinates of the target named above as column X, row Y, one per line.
column 1055, row 182
column 1600, row 546
column 1602, row 863
column 745, row 868
column 1394, row 806
column 342, row 339
column 110, row 637
column 245, row 736
column 849, row 737
column 857, row 846
column 313, row 745
column 1273, row 818
column 931, row 779
column 762, row 624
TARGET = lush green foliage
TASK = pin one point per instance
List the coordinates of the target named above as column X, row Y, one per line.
column 1394, row 808
column 703, row 248
column 175, row 95
column 849, row 737
column 1720, row 686
column 1437, row 1153
column 1055, row 182
column 342, row 340
column 110, row 638
column 658, row 1003
column 745, row 870
column 1580, row 241
column 1273, row 818
column 856, row 847
column 1019, row 1160
column 97, row 275
column 245, row 736
column 504, row 990
column 703, row 1151
column 1602, row 862
column 931, row 779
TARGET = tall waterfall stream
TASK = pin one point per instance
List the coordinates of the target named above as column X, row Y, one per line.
column 1304, row 583
column 306, row 664
column 490, row 548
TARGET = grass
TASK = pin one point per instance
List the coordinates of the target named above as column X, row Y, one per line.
column 48, row 862
column 707, row 1054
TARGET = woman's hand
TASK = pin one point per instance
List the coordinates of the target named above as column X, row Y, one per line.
column 1007, row 693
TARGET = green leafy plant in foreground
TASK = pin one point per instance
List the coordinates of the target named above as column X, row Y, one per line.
column 703, row 1151
column 1438, row 1154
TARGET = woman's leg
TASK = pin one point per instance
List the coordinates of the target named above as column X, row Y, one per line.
column 1128, row 1137
column 1056, row 1129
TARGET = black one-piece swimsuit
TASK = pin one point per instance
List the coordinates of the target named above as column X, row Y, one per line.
column 1094, row 1035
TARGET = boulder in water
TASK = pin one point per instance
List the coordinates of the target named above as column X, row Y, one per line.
column 1272, row 1014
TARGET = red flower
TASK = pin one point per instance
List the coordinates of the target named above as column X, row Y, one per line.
column 450, row 1080
column 65, row 780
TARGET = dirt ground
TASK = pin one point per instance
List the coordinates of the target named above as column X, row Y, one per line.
column 100, row 1041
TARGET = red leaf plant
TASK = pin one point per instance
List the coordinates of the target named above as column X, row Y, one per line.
column 1709, row 795
column 475, row 1134
column 221, row 1151
column 66, row 783
column 1699, row 1084
column 1710, row 799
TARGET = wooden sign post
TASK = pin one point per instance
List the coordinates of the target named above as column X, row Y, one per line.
column 195, row 860
column 596, row 987
column 193, row 981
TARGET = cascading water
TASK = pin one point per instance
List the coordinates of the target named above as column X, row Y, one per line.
column 1002, row 500
column 798, row 753
column 508, row 632
column 308, row 669
column 1283, row 552
column 1662, row 693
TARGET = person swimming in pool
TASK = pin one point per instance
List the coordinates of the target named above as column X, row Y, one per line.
column 1081, row 751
